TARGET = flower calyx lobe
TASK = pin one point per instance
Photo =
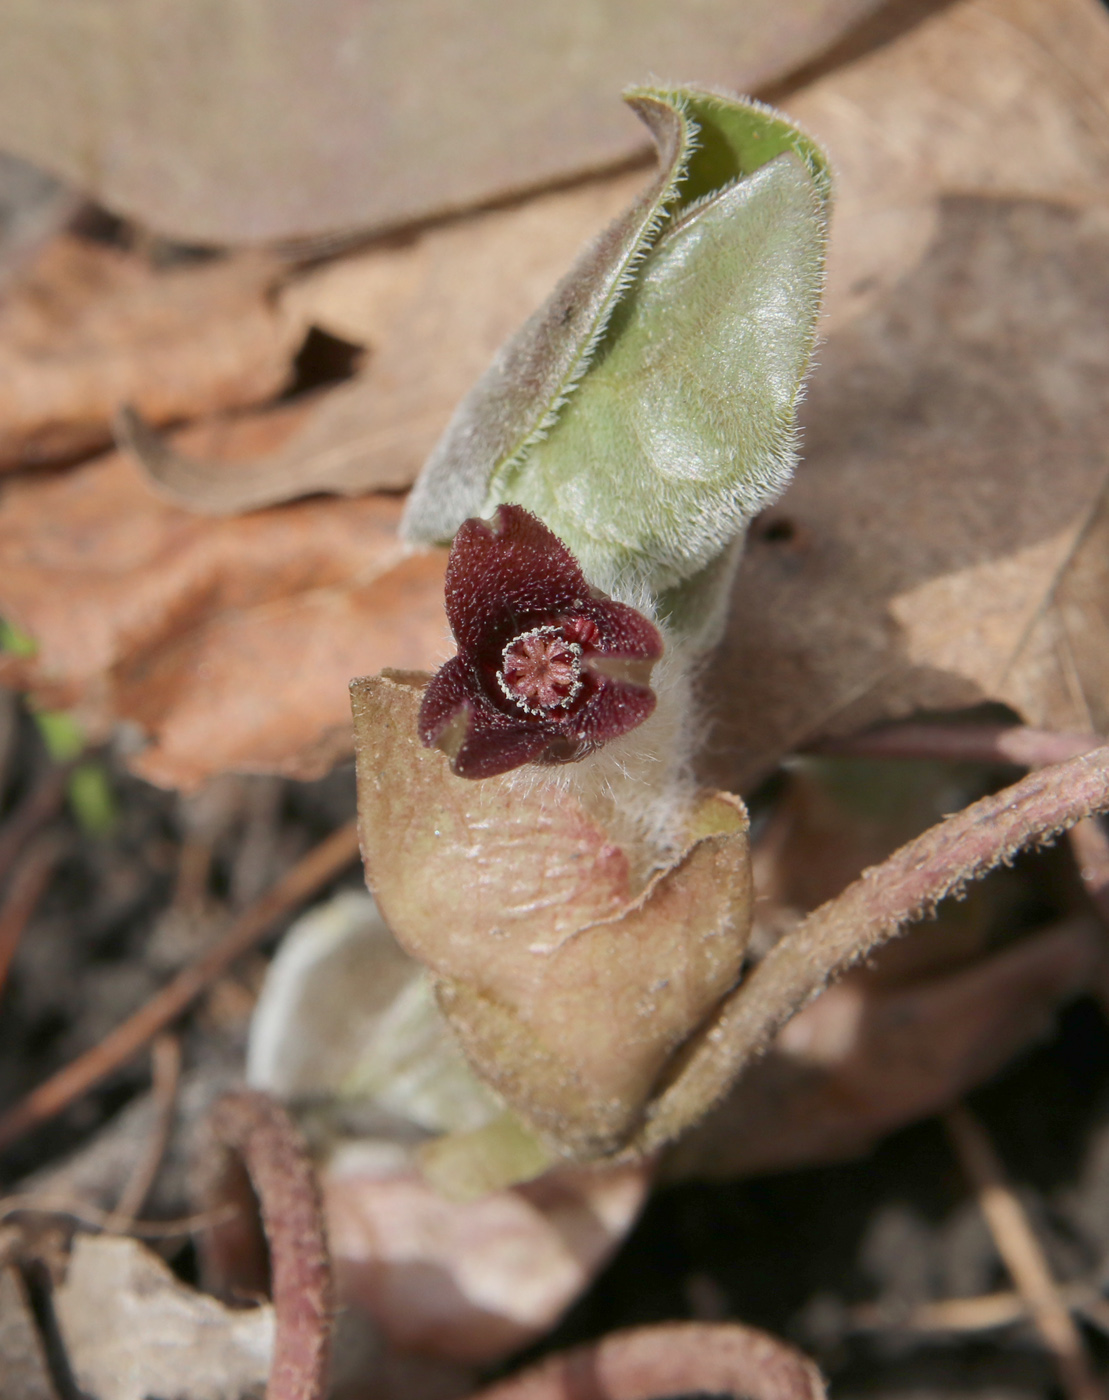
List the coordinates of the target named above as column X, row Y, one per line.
column 547, row 669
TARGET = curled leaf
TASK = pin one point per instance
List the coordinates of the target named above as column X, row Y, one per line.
column 571, row 967
column 647, row 411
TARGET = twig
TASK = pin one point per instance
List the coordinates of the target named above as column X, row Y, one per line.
column 43, row 802
column 972, row 743
column 981, row 1314
column 1021, row 1252
column 870, row 911
column 32, row 875
column 96, row 1219
column 166, row 1057
column 259, row 1131
column 313, row 870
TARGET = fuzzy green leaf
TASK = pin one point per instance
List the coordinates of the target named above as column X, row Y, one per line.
column 683, row 427
column 647, row 411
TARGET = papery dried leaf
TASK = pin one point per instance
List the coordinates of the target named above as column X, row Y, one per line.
column 331, row 119
column 23, row 1367
column 1058, row 674
column 647, row 411
column 954, row 437
column 431, row 312
column 230, row 644
column 994, row 97
column 132, row 1330
column 87, row 327
column 570, row 973
column 470, row 1281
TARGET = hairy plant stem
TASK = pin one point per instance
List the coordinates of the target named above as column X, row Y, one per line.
column 870, row 911
column 261, row 1134
column 963, row 743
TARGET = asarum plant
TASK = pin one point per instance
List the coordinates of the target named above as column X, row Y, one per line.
column 582, row 932
column 547, row 667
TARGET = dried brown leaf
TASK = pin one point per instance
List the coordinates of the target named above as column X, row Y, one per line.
column 88, row 327
column 913, row 560
column 229, row 644
column 955, row 429
column 340, row 116
column 570, row 973
column 433, row 312
column 132, row 1330
column 470, row 1281
column 33, row 207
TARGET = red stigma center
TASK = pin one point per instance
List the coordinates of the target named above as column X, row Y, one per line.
column 541, row 670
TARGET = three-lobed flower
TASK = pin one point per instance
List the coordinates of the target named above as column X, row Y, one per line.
column 547, row 668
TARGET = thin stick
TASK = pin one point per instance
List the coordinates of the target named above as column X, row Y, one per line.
column 981, row 1314
column 971, row 743
column 259, row 1131
column 96, row 1219
column 313, row 870
column 42, row 803
column 32, row 875
column 166, row 1057
column 1021, row 1252
column 870, row 911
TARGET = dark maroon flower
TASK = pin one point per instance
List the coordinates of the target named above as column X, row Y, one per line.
column 547, row 668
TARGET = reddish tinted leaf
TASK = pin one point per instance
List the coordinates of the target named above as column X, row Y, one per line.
column 570, row 966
